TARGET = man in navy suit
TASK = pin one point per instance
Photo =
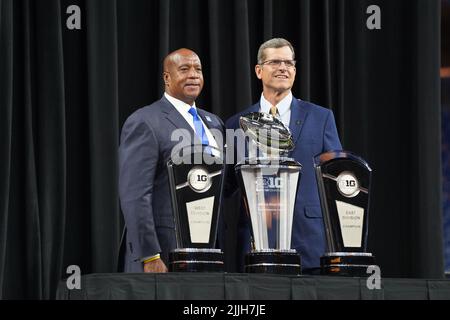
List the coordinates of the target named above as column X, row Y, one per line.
column 314, row 131
column 145, row 147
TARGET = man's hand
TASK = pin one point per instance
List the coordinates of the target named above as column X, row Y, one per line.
column 155, row 266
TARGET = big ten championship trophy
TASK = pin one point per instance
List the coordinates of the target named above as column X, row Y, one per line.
column 196, row 188
column 269, row 181
column 344, row 187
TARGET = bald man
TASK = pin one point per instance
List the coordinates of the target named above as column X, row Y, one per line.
column 145, row 148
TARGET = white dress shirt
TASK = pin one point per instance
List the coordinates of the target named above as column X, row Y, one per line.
column 284, row 107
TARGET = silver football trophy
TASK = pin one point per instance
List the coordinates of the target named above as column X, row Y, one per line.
column 344, row 179
column 196, row 190
column 269, row 182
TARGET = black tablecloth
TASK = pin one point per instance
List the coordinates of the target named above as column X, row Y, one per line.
column 216, row 286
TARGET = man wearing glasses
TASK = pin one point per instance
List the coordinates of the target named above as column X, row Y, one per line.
column 314, row 131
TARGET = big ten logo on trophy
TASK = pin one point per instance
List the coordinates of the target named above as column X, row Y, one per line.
column 199, row 180
column 348, row 185
column 263, row 183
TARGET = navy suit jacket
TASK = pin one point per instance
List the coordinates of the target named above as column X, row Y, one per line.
column 314, row 131
column 145, row 148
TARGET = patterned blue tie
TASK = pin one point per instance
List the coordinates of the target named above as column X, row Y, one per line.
column 199, row 129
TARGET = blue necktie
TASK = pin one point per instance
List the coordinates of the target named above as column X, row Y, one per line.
column 199, row 129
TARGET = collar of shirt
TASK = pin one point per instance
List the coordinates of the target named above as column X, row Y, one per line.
column 284, row 107
column 183, row 109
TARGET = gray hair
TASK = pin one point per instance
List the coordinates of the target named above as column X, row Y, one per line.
column 274, row 43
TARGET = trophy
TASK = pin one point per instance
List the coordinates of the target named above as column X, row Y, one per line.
column 269, row 182
column 344, row 186
column 196, row 192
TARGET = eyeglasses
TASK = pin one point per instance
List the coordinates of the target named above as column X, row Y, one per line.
column 277, row 63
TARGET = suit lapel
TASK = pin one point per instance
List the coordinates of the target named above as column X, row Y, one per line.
column 254, row 108
column 210, row 122
column 298, row 116
column 176, row 119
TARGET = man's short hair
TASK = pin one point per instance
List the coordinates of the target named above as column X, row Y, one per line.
column 274, row 43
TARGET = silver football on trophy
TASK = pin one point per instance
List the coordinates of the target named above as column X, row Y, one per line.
column 268, row 132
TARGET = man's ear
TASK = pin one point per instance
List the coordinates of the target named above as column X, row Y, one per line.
column 258, row 71
column 166, row 77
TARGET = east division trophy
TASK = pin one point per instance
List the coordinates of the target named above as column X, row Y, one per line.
column 269, row 181
column 196, row 190
column 344, row 188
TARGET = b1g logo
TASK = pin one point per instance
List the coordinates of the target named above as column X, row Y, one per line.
column 266, row 183
column 348, row 185
column 199, row 180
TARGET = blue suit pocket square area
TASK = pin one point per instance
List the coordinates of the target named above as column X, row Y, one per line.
column 208, row 118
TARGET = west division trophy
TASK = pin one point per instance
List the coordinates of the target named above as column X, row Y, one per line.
column 196, row 190
column 269, row 184
column 344, row 187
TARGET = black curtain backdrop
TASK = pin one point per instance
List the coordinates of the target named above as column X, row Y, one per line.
column 64, row 95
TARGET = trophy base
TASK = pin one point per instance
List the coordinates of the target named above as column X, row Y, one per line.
column 273, row 261
column 196, row 260
column 346, row 264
